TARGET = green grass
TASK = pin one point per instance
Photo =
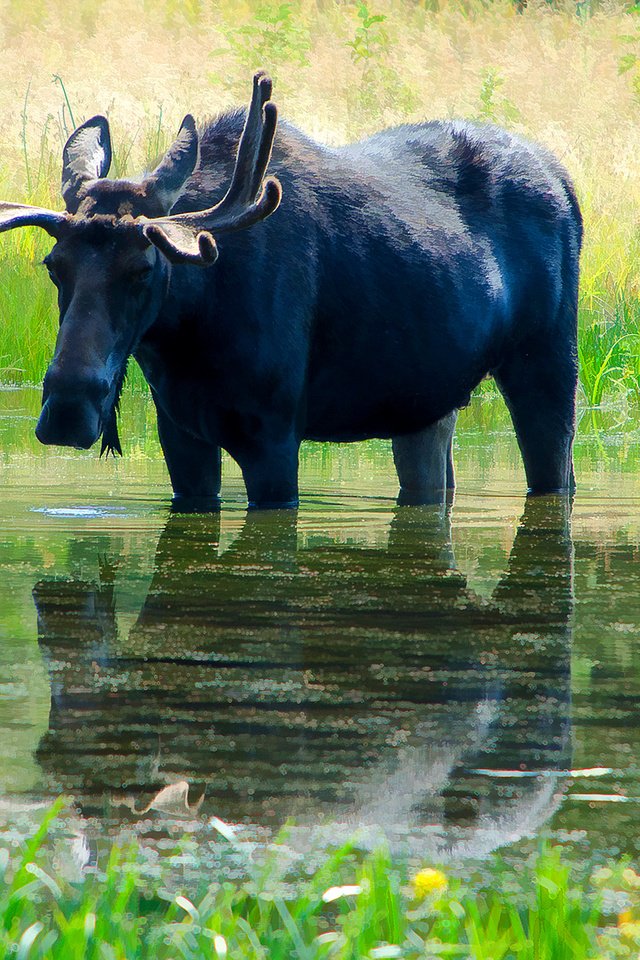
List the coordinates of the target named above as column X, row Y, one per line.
column 353, row 905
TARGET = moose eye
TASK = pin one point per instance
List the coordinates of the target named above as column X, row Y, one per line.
column 51, row 270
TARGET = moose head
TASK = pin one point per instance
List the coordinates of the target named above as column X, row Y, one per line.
column 111, row 262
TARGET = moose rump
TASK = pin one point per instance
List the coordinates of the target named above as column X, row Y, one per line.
column 398, row 272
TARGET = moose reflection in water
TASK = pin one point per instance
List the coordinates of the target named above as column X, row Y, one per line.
column 341, row 685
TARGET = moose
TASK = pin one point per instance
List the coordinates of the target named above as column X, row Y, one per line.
column 398, row 272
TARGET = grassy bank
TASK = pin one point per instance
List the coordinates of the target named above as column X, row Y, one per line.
column 354, row 905
column 566, row 75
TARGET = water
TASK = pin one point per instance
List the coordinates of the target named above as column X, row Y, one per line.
column 455, row 683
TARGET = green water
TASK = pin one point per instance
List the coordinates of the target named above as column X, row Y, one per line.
column 453, row 683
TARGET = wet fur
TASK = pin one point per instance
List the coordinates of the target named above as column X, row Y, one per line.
column 110, row 435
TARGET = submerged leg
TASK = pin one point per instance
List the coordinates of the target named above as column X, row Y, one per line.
column 539, row 388
column 270, row 472
column 194, row 467
column 424, row 462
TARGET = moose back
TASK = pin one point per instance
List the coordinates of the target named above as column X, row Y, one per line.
column 396, row 274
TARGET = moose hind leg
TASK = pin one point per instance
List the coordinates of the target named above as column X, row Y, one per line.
column 424, row 462
column 539, row 388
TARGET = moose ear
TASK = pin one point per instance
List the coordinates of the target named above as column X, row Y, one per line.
column 86, row 156
column 177, row 165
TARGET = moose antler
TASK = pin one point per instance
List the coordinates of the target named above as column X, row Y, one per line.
column 23, row 215
column 183, row 237
column 249, row 199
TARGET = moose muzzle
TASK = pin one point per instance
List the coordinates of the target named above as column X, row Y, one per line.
column 72, row 407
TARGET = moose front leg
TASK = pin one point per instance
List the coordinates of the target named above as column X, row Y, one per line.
column 270, row 471
column 194, row 468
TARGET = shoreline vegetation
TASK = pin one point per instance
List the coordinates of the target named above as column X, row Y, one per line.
column 564, row 74
column 354, row 904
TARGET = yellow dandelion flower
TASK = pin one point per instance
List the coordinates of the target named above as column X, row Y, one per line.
column 625, row 918
column 429, row 881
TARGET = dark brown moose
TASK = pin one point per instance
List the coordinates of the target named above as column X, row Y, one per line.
column 398, row 272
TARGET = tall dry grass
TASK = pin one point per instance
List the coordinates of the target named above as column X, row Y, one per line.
column 340, row 72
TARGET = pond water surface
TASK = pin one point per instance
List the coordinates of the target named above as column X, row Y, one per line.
column 455, row 682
